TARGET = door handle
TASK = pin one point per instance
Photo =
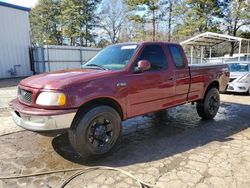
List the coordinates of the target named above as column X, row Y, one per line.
column 171, row 78
column 121, row 84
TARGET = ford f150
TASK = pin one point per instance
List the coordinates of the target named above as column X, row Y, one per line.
column 120, row 82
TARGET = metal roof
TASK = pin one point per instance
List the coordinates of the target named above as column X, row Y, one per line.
column 211, row 39
column 14, row 6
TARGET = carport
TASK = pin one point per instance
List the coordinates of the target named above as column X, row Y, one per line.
column 211, row 39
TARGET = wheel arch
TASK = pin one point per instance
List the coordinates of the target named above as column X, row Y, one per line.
column 97, row 102
column 213, row 84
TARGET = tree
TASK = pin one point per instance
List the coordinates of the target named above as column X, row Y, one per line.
column 102, row 43
column 144, row 11
column 170, row 2
column 112, row 18
column 170, row 15
column 45, row 25
column 78, row 18
column 234, row 15
column 198, row 16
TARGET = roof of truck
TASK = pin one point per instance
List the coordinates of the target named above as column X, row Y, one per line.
column 146, row 42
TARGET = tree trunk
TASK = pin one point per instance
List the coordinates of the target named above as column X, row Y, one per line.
column 86, row 35
column 153, row 25
column 81, row 39
column 235, row 28
column 232, row 48
column 233, row 43
column 169, row 21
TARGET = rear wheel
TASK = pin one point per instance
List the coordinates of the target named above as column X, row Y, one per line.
column 96, row 132
column 209, row 106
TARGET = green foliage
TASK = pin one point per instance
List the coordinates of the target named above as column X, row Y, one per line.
column 244, row 34
column 45, row 25
column 235, row 15
column 199, row 16
column 52, row 21
column 78, row 19
column 102, row 43
column 144, row 11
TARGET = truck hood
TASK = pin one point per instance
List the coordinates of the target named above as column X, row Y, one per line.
column 60, row 79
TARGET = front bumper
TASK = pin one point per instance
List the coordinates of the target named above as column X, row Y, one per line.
column 238, row 87
column 46, row 120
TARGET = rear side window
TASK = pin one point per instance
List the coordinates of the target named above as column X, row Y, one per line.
column 155, row 55
column 177, row 57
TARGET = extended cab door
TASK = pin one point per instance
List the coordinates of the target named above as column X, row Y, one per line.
column 181, row 72
column 151, row 90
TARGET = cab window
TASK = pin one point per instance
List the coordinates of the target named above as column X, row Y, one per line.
column 176, row 56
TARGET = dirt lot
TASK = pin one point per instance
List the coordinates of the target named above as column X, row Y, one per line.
column 174, row 149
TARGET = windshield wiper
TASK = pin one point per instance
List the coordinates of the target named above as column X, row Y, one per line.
column 95, row 65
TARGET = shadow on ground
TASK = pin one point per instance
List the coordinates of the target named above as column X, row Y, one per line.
column 151, row 138
column 10, row 82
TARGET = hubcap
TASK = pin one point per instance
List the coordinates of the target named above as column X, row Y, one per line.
column 213, row 104
column 100, row 134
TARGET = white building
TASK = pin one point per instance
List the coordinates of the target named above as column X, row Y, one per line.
column 14, row 41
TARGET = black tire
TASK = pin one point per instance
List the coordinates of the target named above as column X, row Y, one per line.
column 96, row 132
column 209, row 106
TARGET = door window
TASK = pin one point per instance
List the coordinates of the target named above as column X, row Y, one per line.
column 155, row 55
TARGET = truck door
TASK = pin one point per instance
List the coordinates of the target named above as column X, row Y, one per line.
column 181, row 73
column 151, row 90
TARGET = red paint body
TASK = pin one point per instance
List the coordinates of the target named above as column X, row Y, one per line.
column 144, row 92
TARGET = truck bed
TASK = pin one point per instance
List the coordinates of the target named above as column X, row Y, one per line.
column 201, row 75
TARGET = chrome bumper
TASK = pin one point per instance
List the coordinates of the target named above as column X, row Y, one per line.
column 43, row 123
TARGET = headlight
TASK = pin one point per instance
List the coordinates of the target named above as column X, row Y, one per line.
column 244, row 79
column 51, row 99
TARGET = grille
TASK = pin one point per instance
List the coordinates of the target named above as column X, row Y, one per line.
column 25, row 96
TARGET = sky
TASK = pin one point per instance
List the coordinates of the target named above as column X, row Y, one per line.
column 23, row 3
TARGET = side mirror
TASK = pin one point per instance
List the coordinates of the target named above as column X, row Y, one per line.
column 142, row 66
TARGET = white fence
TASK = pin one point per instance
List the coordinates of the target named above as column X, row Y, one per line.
column 51, row 58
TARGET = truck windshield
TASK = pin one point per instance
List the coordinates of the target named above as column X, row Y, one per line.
column 112, row 58
column 238, row 67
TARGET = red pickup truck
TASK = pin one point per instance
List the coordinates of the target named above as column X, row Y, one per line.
column 120, row 82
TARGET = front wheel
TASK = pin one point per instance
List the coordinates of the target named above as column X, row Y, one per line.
column 209, row 106
column 96, row 132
